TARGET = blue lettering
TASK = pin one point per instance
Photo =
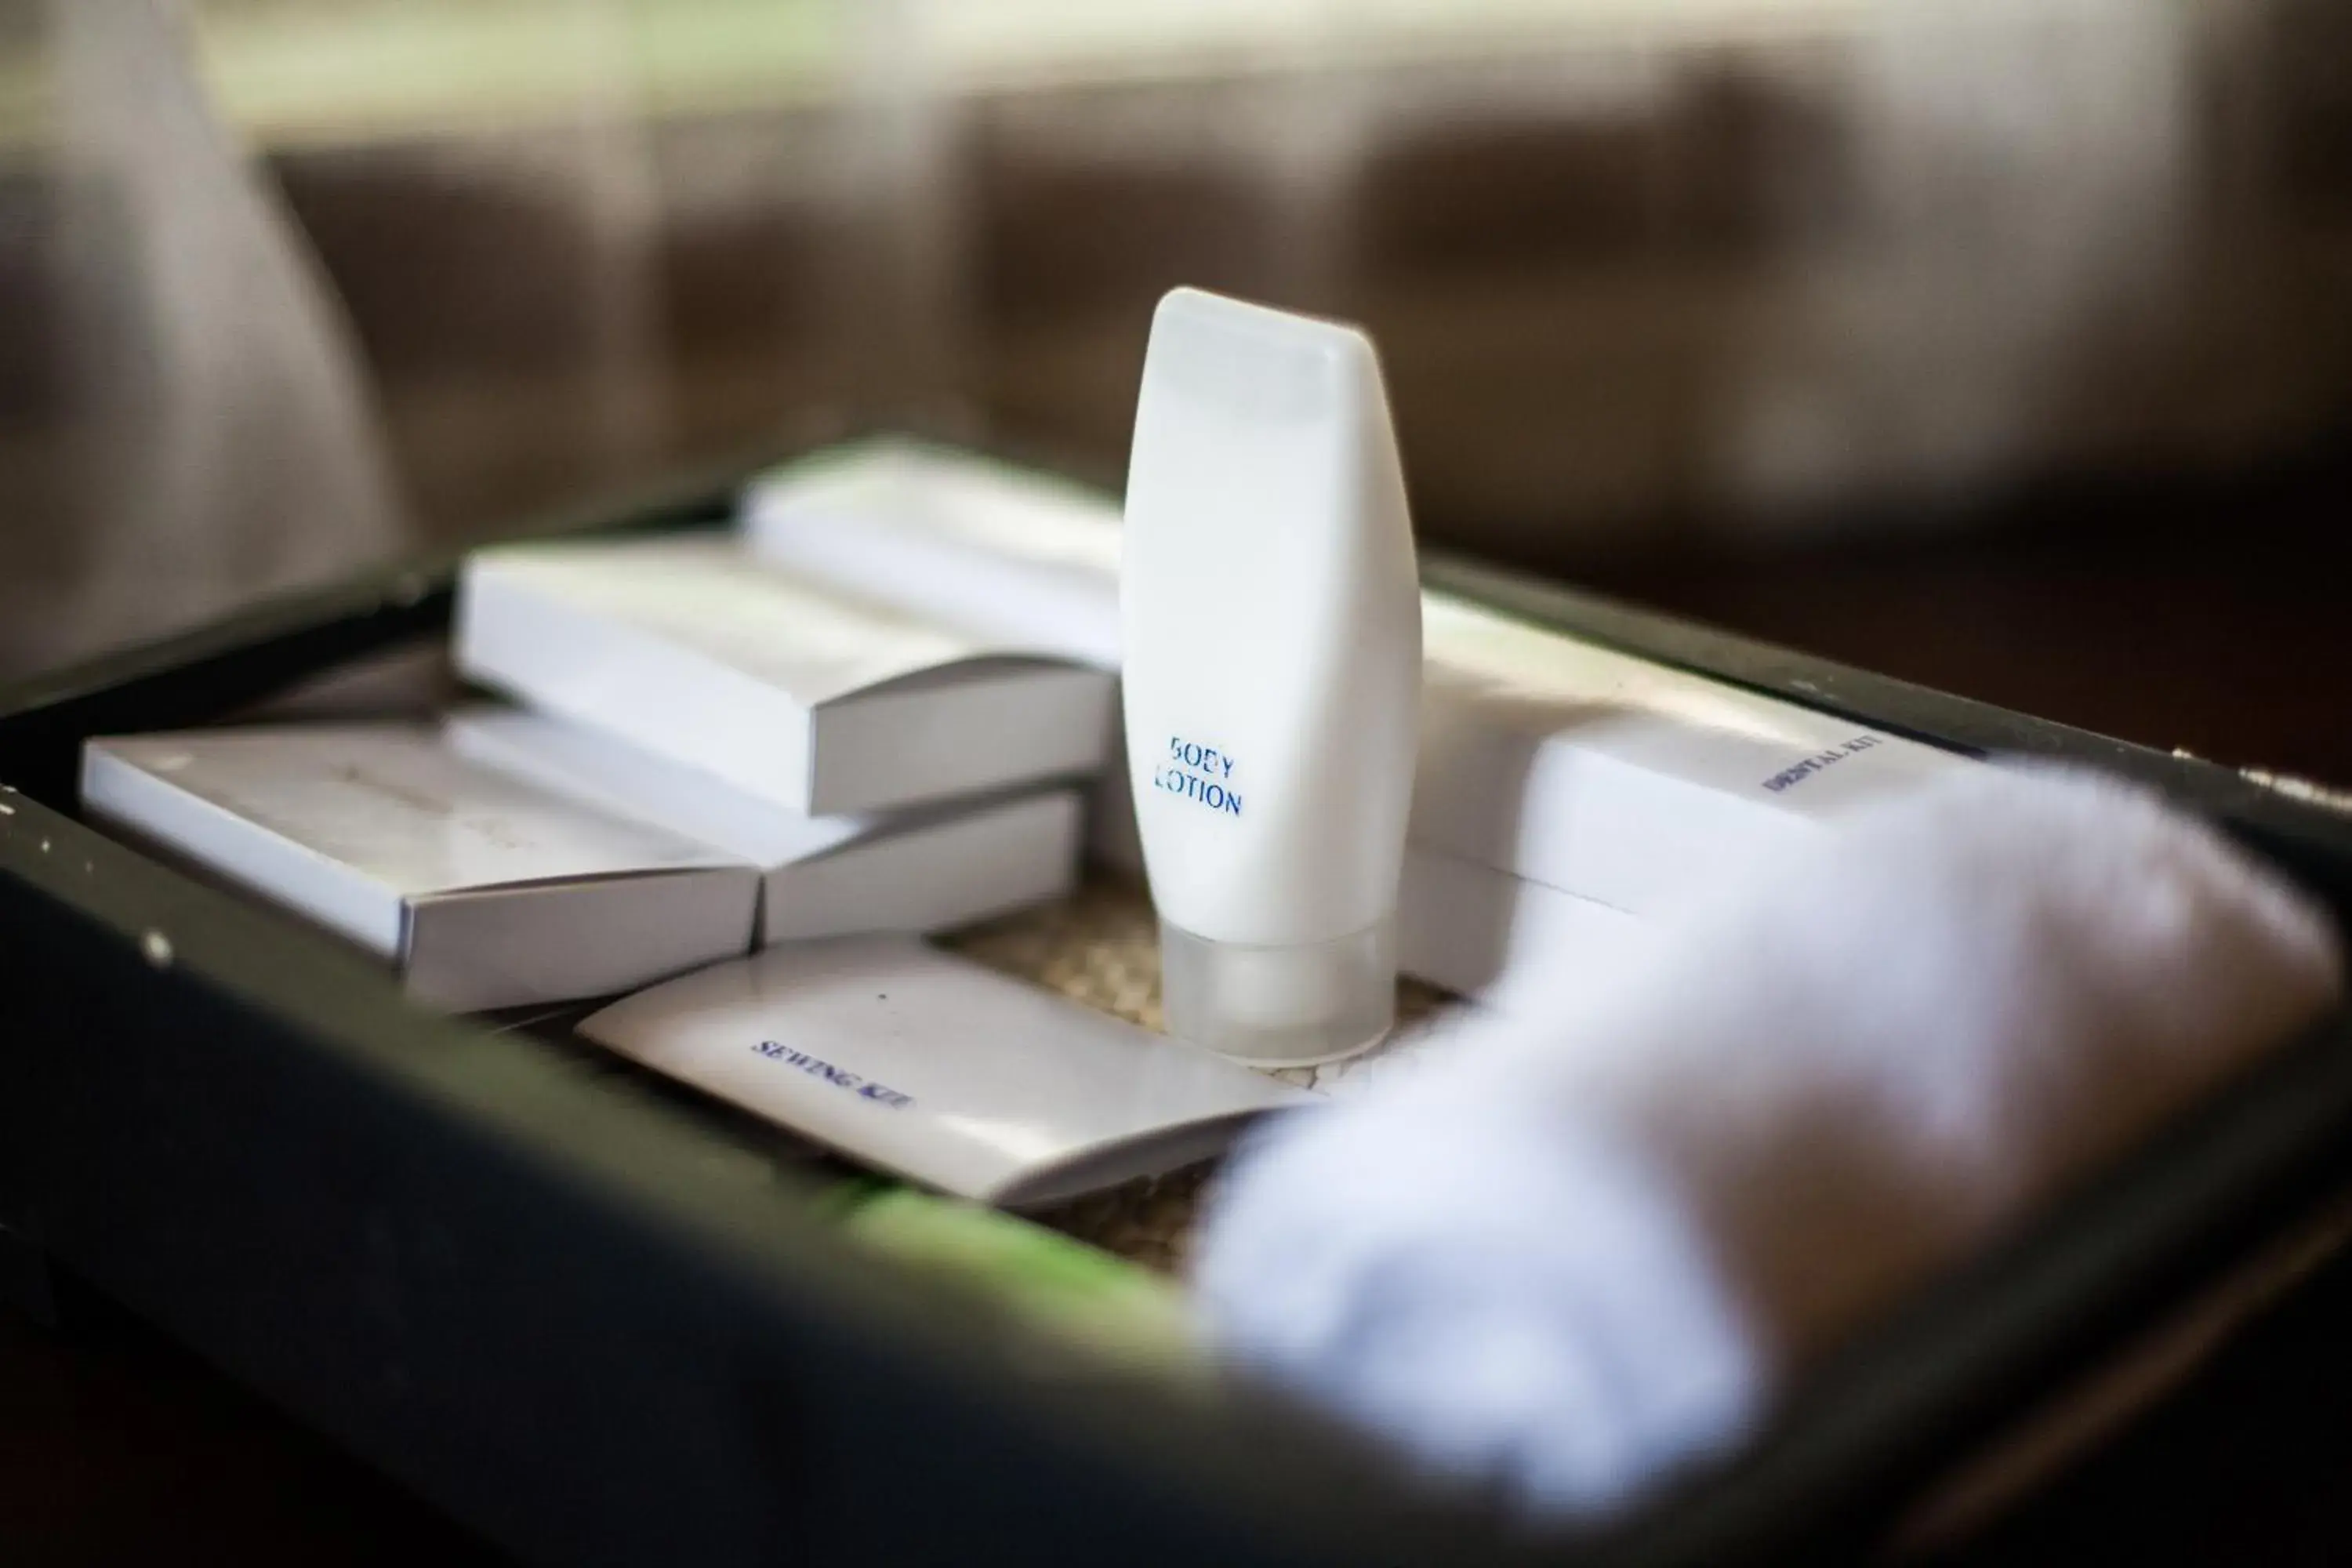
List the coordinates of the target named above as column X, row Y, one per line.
column 1792, row 777
column 839, row 1077
column 1181, row 776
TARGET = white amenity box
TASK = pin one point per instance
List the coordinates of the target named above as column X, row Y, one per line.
column 1545, row 757
column 919, row 868
column 482, row 889
column 795, row 693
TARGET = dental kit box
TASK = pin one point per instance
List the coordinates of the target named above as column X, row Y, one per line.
column 928, row 1065
column 783, row 689
column 916, row 869
column 483, row 891
column 1508, row 944
column 1596, row 772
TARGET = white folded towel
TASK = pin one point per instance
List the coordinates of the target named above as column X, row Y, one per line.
column 1566, row 1260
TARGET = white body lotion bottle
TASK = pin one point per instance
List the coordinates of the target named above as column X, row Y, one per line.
column 1271, row 615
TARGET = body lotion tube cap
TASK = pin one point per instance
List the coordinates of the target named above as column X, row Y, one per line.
column 1280, row 1006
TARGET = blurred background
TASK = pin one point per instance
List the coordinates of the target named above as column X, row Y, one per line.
column 2004, row 344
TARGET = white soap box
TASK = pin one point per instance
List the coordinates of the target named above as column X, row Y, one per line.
column 930, row 1066
column 691, row 649
column 919, row 869
column 483, row 891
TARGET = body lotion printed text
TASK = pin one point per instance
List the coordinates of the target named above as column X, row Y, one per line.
column 1199, row 774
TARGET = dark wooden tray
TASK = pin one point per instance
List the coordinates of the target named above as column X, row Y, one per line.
column 590, row 1323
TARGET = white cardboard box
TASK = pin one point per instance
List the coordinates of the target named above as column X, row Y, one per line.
column 928, row 1065
column 1510, row 945
column 919, row 869
column 1592, row 772
column 1622, row 779
column 791, row 692
column 1017, row 557
column 483, row 891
